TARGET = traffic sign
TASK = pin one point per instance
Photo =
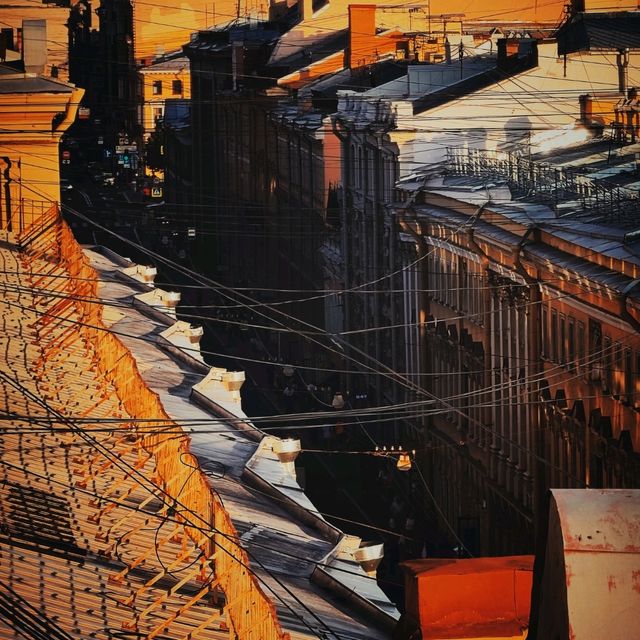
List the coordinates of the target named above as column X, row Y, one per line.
column 156, row 192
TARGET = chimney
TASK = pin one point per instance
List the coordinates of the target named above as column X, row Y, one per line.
column 502, row 53
column 305, row 9
column 622, row 59
column 6, row 34
column 237, row 64
column 34, row 45
column 362, row 34
column 586, row 109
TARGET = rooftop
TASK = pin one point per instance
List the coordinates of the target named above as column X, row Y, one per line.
column 593, row 31
column 12, row 82
column 104, row 492
column 176, row 61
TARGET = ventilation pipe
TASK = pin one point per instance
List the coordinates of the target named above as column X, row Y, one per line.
column 622, row 59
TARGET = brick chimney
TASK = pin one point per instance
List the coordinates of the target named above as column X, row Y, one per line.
column 362, row 35
column 34, row 45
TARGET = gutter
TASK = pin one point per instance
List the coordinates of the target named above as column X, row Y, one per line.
column 71, row 112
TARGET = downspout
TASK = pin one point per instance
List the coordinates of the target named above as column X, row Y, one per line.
column 71, row 112
column 488, row 377
column 423, row 310
column 346, row 267
column 624, row 309
column 537, row 435
column 7, row 191
column 378, row 232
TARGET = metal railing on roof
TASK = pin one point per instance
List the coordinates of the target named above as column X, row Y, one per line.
column 24, row 214
column 580, row 194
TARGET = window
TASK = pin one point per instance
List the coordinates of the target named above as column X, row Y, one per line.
column 571, row 344
column 595, row 350
column 554, row 335
column 618, row 373
column 544, row 336
column 629, row 382
column 176, row 87
column 563, row 349
column 365, row 173
column 580, row 345
column 635, row 400
column 157, row 114
column 607, row 384
column 157, row 87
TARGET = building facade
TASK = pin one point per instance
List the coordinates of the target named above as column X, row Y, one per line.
column 530, row 336
column 166, row 78
column 35, row 113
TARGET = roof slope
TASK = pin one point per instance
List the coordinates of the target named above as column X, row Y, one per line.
column 593, row 31
column 101, row 493
column 77, row 524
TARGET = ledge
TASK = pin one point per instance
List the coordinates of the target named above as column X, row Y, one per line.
column 158, row 304
column 182, row 341
column 265, row 472
column 219, row 393
column 338, row 570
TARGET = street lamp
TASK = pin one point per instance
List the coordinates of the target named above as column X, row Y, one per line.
column 338, row 401
column 403, row 462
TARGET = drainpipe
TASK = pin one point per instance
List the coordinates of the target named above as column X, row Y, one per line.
column 536, row 463
column 7, row 190
column 624, row 310
column 70, row 113
column 378, row 225
column 484, row 258
column 423, row 310
column 346, row 267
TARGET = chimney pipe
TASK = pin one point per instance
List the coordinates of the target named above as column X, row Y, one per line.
column 622, row 60
column 305, row 9
column 34, row 45
column 362, row 34
column 502, row 53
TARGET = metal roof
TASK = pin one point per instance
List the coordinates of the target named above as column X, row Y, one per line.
column 18, row 83
column 593, row 31
column 72, row 520
column 174, row 62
